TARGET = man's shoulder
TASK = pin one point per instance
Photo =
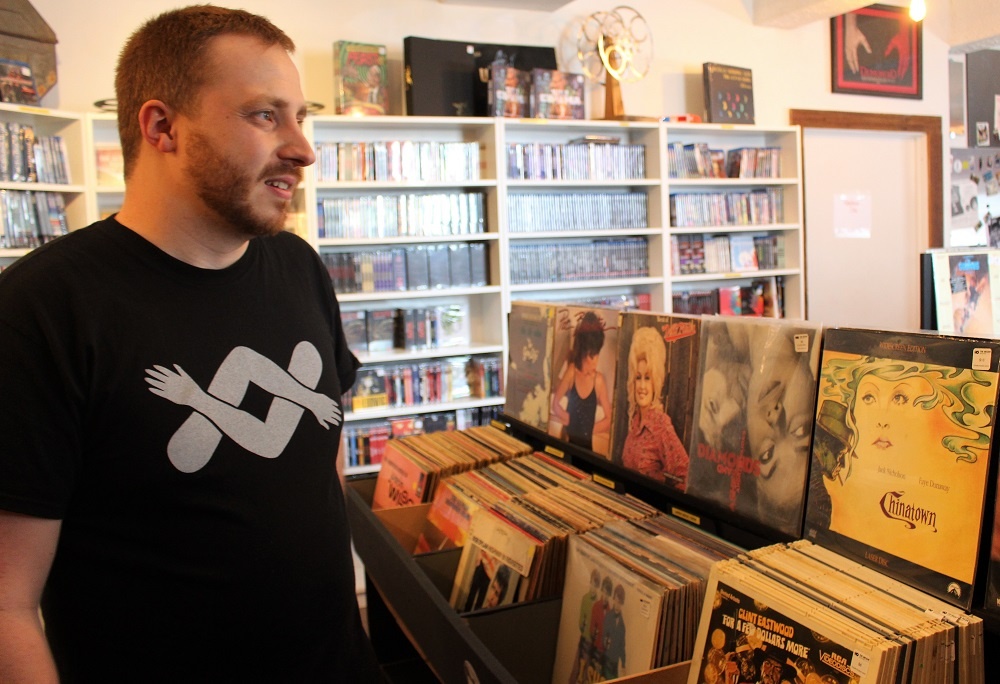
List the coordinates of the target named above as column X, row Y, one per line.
column 61, row 255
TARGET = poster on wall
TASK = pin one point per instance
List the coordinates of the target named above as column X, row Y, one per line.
column 877, row 50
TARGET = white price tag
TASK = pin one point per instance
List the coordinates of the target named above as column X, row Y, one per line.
column 860, row 663
column 982, row 358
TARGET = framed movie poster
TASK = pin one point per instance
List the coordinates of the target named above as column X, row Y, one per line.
column 877, row 50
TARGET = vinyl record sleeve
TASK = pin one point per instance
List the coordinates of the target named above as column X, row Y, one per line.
column 531, row 328
column 901, row 457
column 754, row 410
column 653, row 414
column 601, row 637
column 751, row 629
column 584, row 359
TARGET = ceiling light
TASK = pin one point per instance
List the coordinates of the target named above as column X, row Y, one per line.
column 918, row 10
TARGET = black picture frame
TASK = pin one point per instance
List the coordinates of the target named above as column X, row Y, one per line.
column 877, row 50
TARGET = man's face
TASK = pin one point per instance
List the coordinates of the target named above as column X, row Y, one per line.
column 242, row 147
column 494, row 594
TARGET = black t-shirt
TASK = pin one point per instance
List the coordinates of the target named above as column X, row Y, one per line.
column 181, row 422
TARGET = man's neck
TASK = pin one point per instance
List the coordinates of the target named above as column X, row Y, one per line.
column 187, row 236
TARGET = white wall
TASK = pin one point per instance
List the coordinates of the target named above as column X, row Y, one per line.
column 791, row 68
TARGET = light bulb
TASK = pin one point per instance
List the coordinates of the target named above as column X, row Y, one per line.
column 918, row 10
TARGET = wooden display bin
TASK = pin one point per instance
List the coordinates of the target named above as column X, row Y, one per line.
column 512, row 644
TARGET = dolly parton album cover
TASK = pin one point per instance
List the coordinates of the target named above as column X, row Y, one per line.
column 653, row 415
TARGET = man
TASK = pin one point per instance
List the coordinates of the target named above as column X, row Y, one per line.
column 170, row 413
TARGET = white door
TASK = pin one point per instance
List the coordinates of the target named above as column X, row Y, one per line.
column 866, row 224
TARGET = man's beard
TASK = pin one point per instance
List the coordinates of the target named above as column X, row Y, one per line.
column 226, row 189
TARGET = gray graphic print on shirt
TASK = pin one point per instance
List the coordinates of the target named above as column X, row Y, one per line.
column 217, row 413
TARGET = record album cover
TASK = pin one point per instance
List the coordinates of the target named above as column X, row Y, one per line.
column 754, row 409
column 728, row 94
column 967, row 291
column 531, row 328
column 750, row 632
column 653, row 416
column 901, row 454
column 584, row 358
column 495, row 562
column 610, row 618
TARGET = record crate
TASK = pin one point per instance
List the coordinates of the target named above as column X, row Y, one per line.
column 414, row 628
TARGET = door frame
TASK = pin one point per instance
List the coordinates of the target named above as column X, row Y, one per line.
column 928, row 126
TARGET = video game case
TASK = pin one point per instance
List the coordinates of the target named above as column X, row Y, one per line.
column 355, row 330
column 17, row 82
column 6, row 161
column 412, row 329
column 361, row 79
column 459, row 264
column 509, row 90
column 381, row 324
column 439, row 266
column 556, row 94
column 417, row 268
column 369, row 390
column 479, row 275
column 452, row 325
column 19, row 171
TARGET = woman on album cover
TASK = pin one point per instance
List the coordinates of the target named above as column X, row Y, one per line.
column 652, row 446
column 583, row 389
column 913, row 475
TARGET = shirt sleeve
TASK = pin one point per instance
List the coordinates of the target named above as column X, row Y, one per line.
column 39, row 421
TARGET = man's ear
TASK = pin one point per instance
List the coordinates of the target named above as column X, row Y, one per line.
column 156, row 121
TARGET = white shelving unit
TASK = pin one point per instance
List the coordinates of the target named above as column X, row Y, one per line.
column 505, row 229
column 49, row 123
column 599, row 180
column 728, row 137
column 104, row 194
column 485, row 303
